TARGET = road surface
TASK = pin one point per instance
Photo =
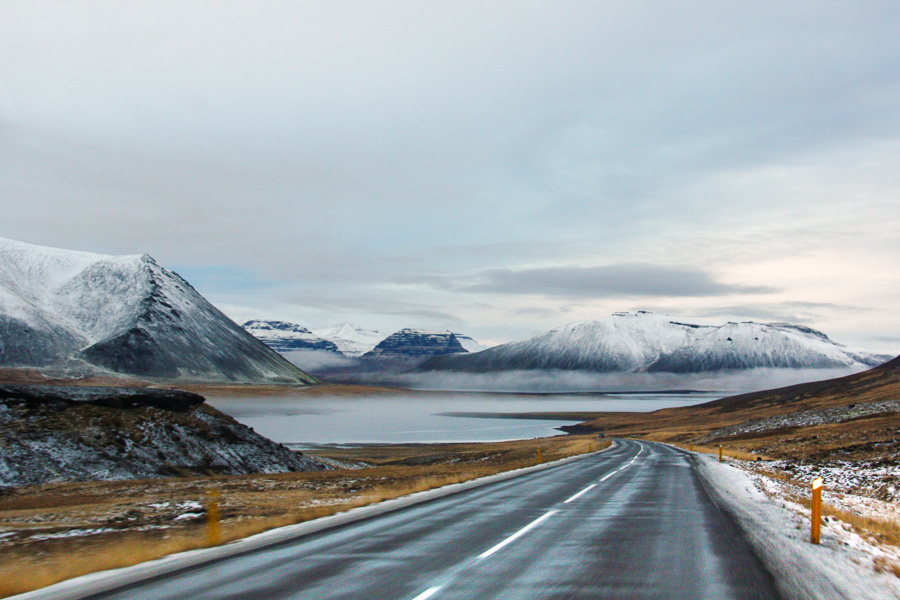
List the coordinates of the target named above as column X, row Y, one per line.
column 632, row 522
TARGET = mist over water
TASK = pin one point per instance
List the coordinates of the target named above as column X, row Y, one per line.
column 559, row 381
column 423, row 417
column 463, row 407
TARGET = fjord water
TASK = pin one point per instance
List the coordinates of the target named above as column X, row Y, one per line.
column 429, row 417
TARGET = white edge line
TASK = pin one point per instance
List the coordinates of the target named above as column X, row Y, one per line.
column 428, row 593
column 517, row 534
column 579, row 494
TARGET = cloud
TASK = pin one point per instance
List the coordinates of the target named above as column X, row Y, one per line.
column 553, row 381
column 610, row 281
column 788, row 312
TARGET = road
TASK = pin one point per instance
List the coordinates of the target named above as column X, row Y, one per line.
column 632, row 522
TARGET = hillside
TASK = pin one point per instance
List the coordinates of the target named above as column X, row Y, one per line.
column 287, row 337
column 50, row 433
column 75, row 314
column 856, row 417
column 409, row 347
column 351, row 341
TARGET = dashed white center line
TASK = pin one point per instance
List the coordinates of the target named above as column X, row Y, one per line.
column 516, row 535
column 434, row 590
column 611, row 473
column 579, row 494
column 608, row 475
column 428, row 593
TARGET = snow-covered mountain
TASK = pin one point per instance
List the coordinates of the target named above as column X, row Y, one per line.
column 350, row 340
column 282, row 336
column 85, row 314
column 759, row 345
column 644, row 341
column 469, row 344
column 413, row 346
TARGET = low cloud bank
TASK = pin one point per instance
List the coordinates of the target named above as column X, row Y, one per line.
column 557, row 381
column 317, row 362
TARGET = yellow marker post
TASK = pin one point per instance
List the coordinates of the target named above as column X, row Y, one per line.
column 213, row 533
column 590, row 447
column 720, row 453
column 692, row 446
column 816, row 509
column 539, row 456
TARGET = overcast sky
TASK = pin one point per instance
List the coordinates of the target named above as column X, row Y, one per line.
column 494, row 168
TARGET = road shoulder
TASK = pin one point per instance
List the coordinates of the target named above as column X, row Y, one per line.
column 802, row 571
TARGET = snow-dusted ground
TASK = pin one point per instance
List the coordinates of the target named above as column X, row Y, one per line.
column 845, row 565
column 806, row 418
column 350, row 340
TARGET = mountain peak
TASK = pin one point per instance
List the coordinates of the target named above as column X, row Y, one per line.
column 644, row 341
column 86, row 313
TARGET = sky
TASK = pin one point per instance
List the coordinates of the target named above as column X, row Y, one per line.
column 493, row 168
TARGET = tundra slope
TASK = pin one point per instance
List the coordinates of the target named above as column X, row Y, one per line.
column 642, row 341
column 77, row 314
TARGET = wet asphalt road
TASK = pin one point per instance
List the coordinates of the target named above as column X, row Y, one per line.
column 630, row 523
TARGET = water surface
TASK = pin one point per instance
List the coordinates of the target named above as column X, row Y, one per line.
column 423, row 417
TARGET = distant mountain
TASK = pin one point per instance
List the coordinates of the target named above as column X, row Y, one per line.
column 469, row 344
column 350, row 340
column 409, row 346
column 285, row 337
column 644, row 341
column 81, row 314
column 758, row 345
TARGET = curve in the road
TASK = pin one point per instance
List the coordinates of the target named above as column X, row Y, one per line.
column 632, row 523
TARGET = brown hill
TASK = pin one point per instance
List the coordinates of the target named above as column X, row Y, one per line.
column 853, row 418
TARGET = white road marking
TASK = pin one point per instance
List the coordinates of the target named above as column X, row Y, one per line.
column 428, row 593
column 579, row 494
column 608, row 475
column 516, row 535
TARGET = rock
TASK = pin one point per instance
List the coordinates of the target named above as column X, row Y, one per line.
column 113, row 397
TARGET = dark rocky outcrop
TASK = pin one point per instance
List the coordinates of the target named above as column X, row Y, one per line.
column 112, row 397
column 409, row 347
column 282, row 336
column 56, row 433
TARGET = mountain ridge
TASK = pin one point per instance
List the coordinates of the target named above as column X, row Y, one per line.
column 645, row 342
column 85, row 314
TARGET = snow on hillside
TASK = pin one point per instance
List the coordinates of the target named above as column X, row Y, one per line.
column 350, row 340
column 756, row 345
column 414, row 345
column 74, row 433
column 286, row 337
column 622, row 342
column 644, row 341
column 469, row 344
column 86, row 314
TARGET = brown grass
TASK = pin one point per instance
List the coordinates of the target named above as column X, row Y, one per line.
column 726, row 452
column 249, row 504
column 868, row 438
column 876, row 531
